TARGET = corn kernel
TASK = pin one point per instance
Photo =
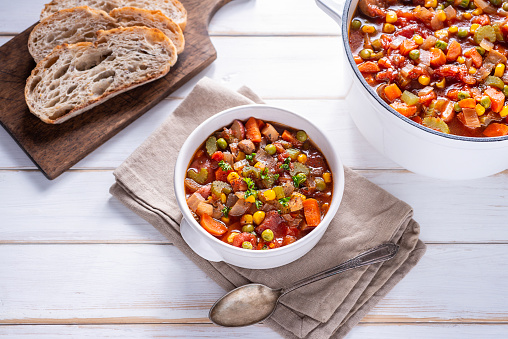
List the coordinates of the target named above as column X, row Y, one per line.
column 441, row 34
column 232, row 176
column 240, row 156
column 477, row 11
column 388, row 28
column 225, row 220
column 441, row 16
column 418, row 39
column 453, row 29
column 431, row 3
column 209, row 198
column 271, row 245
column 231, row 237
column 368, row 29
column 424, row 80
column 258, row 217
column 391, row 17
column 260, row 165
column 479, row 109
column 302, row 158
column 504, row 112
column 499, row 70
column 441, row 84
column 296, row 194
column 474, row 27
column 250, row 199
column 472, row 70
column 246, row 219
column 466, row 15
column 461, row 59
column 269, row 195
column 223, row 198
column 327, row 177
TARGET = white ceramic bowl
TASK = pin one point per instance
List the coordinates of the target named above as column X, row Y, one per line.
column 211, row 248
column 411, row 145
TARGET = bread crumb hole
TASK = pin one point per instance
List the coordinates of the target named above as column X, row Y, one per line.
column 51, row 61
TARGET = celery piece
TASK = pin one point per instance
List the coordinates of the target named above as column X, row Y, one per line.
column 485, row 32
column 200, row 177
column 409, row 98
column 211, row 145
column 219, row 187
column 436, row 124
column 299, row 168
column 293, row 153
column 279, row 192
column 494, row 81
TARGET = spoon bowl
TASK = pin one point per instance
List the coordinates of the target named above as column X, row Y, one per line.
column 252, row 303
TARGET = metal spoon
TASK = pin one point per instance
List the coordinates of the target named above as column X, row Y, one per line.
column 252, row 303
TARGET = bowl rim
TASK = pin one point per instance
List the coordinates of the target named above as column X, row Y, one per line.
column 338, row 189
column 370, row 90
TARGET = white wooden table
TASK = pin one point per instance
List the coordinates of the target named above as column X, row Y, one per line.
column 75, row 262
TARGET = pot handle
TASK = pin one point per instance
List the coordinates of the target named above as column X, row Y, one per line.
column 197, row 243
column 333, row 8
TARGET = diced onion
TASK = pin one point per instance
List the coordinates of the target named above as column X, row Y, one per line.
column 425, row 91
column 450, row 12
column 429, row 42
column 407, row 69
column 487, row 45
column 471, row 118
column 396, row 42
column 425, row 57
column 485, row 6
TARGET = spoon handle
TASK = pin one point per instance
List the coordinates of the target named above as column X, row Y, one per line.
column 374, row 255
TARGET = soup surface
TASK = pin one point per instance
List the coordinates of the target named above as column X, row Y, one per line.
column 440, row 63
column 258, row 185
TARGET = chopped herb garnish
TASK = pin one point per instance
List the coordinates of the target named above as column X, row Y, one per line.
column 264, row 173
column 250, row 156
column 284, row 201
column 258, row 204
column 285, row 165
column 225, row 166
column 225, row 211
column 250, row 183
column 276, row 176
column 298, row 179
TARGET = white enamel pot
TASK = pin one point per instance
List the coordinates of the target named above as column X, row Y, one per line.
column 409, row 144
column 211, row 248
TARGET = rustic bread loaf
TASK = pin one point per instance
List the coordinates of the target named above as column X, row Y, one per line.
column 80, row 24
column 74, row 78
column 173, row 9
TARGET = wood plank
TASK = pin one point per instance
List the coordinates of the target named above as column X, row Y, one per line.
column 100, row 284
column 260, row 17
column 379, row 331
column 327, row 114
column 55, row 149
column 78, row 208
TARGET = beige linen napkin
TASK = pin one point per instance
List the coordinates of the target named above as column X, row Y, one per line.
column 368, row 216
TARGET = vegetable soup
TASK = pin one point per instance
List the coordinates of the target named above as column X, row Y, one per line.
column 258, row 185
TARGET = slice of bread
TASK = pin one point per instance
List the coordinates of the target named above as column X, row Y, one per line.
column 80, row 24
column 74, row 78
column 173, row 9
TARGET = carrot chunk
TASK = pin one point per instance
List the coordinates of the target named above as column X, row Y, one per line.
column 252, row 130
column 467, row 103
column 496, row 130
column 475, row 56
column 407, row 46
column 404, row 109
column 437, row 57
column 454, row 50
column 392, row 92
column 497, row 99
column 212, row 226
column 290, row 138
column 312, row 212
column 369, row 67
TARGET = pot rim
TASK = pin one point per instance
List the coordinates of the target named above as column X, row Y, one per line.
column 370, row 90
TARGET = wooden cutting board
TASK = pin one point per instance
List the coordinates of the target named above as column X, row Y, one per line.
column 56, row 148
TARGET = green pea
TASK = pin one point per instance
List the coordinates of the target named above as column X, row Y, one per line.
column 463, row 32
column 472, row 5
column 270, row 149
column 439, row 7
column 377, row 44
column 505, row 90
column 496, row 2
column 301, row 135
column 441, row 44
column 414, row 54
column 457, row 107
column 485, row 101
column 463, row 95
column 480, row 50
column 267, row 235
column 248, row 228
column 366, row 53
column 464, row 3
column 320, row 184
column 356, row 24
column 505, row 6
column 222, row 143
column 247, row 245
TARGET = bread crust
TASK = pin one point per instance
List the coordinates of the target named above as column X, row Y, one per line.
column 173, row 9
column 105, row 40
